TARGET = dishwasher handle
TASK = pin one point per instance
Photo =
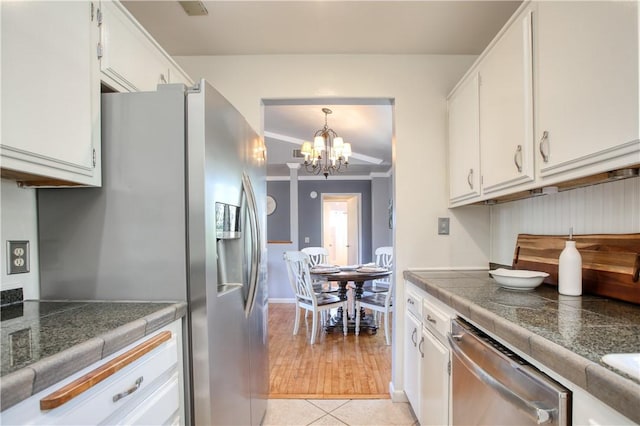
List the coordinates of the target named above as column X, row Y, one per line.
column 538, row 414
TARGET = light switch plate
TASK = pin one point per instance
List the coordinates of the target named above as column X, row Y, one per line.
column 443, row 226
column 17, row 257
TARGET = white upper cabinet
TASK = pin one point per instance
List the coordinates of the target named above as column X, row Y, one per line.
column 506, row 108
column 587, row 87
column 131, row 59
column 50, row 93
column 464, row 142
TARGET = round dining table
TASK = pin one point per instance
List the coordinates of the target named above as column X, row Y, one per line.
column 343, row 277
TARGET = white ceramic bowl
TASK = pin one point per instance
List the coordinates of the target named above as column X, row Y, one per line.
column 518, row 279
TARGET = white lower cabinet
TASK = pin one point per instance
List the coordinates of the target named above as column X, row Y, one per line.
column 147, row 391
column 161, row 406
column 435, row 369
column 412, row 337
column 427, row 357
column 434, row 381
column 589, row 411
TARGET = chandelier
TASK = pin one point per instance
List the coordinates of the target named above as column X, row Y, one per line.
column 328, row 154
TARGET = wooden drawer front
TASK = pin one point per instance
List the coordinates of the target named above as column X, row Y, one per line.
column 435, row 319
column 414, row 304
column 97, row 404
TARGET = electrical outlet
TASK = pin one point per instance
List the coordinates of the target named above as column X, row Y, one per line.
column 17, row 257
column 306, row 240
column 443, row 226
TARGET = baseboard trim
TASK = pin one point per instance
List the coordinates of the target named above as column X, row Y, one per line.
column 397, row 396
column 281, row 300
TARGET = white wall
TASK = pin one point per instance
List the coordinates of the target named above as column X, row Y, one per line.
column 419, row 86
column 18, row 217
column 608, row 208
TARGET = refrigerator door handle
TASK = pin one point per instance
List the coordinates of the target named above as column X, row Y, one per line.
column 252, row 209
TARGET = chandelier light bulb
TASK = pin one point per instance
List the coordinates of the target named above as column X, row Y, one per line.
column 336, row 151
column 318, row 143
column 346, row 152
column 338, row 144
column 306, row 150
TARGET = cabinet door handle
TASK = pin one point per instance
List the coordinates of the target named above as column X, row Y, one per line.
column 545, row 138
column 163, row 79
column 413, row 337
column 431, row 319
column 470, row 178
column 420, row 347
column 516, row 156
column 129, row 391
column 92, row 378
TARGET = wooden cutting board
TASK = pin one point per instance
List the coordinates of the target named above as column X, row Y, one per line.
column 610, row 262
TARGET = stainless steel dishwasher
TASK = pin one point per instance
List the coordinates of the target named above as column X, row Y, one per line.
column 493, row 386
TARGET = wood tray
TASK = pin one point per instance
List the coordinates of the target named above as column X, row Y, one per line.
column 610, row 262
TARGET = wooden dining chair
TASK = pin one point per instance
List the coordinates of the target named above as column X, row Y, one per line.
column 377, row 302
column 306, row 297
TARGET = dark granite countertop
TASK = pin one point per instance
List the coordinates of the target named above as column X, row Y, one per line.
column 567, row 334
column 45, row 341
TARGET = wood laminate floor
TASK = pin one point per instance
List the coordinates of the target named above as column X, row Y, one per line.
column 335, row 367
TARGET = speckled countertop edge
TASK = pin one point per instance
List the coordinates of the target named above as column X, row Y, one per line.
column 21, row 384
column 606, row 384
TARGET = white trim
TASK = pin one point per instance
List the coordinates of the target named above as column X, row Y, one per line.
column 445, row 269
column 590, row 159
column 293, row 165
column 298, row 141
column 397, row 395
column 281, row 300
column 381, row 174
column 334, row 177
column 278, row 178
column 283, row 138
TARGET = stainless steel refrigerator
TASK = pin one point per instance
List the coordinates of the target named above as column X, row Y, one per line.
column 180, row 216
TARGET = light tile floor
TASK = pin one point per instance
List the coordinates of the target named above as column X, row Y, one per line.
column 350, row 412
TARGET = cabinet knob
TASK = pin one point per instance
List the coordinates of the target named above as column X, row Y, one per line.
column 129, row 391
column 544, row 141
column 517, row 158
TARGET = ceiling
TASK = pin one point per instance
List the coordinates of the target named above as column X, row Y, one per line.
column 326, row 27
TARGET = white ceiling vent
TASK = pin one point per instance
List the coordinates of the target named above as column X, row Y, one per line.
column 194, row 8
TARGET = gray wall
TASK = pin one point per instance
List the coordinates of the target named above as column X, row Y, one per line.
column 381, row 196
column 310, row 210
column 278, row 222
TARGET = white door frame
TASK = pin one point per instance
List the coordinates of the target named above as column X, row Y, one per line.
column 338, row 196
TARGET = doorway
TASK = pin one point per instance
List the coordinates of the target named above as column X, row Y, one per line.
column 341, row 227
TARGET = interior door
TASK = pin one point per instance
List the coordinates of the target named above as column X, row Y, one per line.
column 341, row 227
